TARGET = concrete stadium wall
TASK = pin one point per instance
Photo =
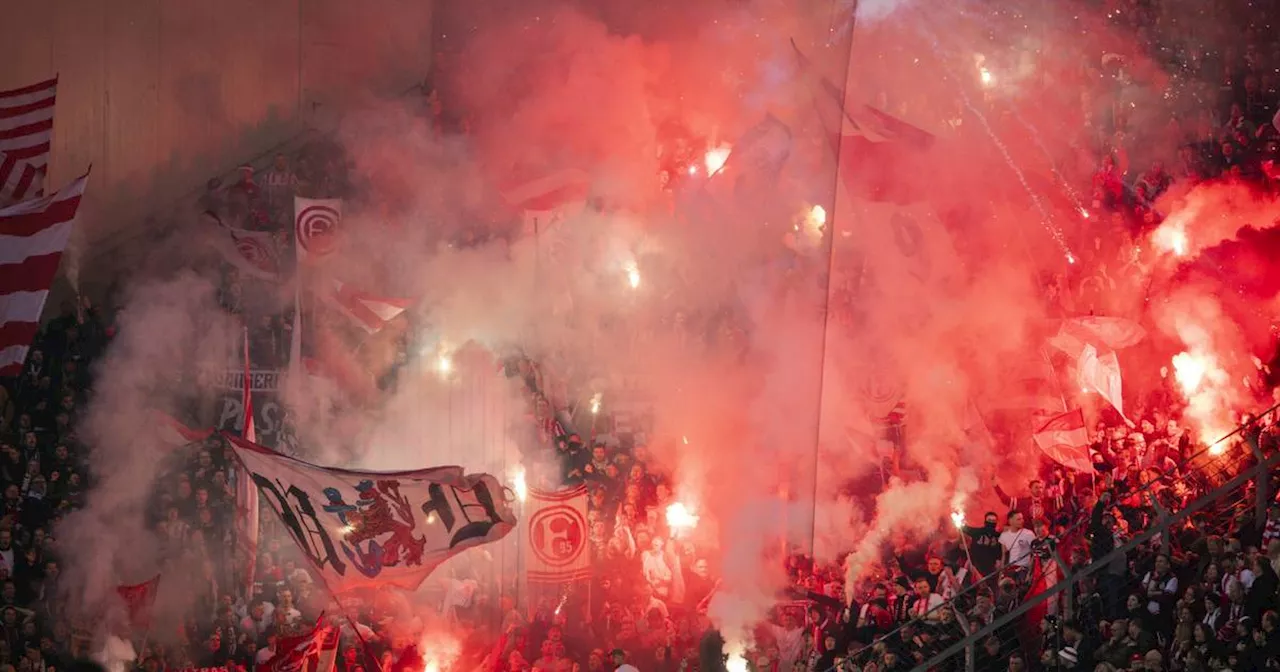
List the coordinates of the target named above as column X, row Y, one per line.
column 159, row 95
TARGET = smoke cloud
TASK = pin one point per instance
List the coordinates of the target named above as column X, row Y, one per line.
column 769, row 365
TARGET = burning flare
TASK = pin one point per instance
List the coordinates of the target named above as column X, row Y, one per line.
column 680, row 518
column 1204, row 384
column 519, row 484
column 716, row 158
column 439, row 650
column 957, row 518
column 633, row 275
column 735, row 662
column 1189, row 370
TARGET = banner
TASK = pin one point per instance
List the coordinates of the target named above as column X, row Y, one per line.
column 269, row 415
column 265, row 380
column 316, row 225
column 557, row 533
column 364, row 529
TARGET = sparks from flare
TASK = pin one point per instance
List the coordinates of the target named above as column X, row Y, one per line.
column 595, row 403
column 957, row 519
column 988, row 80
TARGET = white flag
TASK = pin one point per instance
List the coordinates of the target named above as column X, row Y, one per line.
column 558, row 536
column 363, row 529
column 316, row 225
column 1101, row 374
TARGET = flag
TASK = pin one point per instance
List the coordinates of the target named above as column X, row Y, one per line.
column 369, row 312
column 1101, row 373
column 246, row 492
column 173, row 434
column 26, row 127
column 335, row 361
column 1036, row 390
column 138, row 600
column 558, row 536
column 1104, row 333
column 33, row 235
column 881, row 165
column 316, row 226
column 300, row 653
column 550, row 192
column 876, row 153
column 254, row 253
column 361, row 529
column 545, row 203
column 327, row 658
column 1044, row 575
column 1065, row 440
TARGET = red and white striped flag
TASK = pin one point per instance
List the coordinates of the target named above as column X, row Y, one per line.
column 545, row 203
column 549, row 192
column 33, row 235
column 26, row 127
column 369, row 312
column 173, row 434
column 246, row 491
column 1065, row 440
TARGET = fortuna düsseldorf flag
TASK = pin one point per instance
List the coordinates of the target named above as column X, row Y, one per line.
column 316, row 225
column 557, row 535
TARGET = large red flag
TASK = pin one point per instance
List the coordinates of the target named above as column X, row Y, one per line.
column 138, row 600
column 302, row 652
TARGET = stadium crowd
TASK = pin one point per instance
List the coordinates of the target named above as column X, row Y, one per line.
column 1203, row 597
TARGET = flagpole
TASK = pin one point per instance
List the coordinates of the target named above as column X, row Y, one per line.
column 826, row 302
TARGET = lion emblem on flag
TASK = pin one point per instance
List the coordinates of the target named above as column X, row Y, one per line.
column 379, row 528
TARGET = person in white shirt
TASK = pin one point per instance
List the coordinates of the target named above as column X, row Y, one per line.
column 267, row 652
column 258, row 618
column 285, row 597
column 1016, row 541
column 656, row 570
column 926, row 602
